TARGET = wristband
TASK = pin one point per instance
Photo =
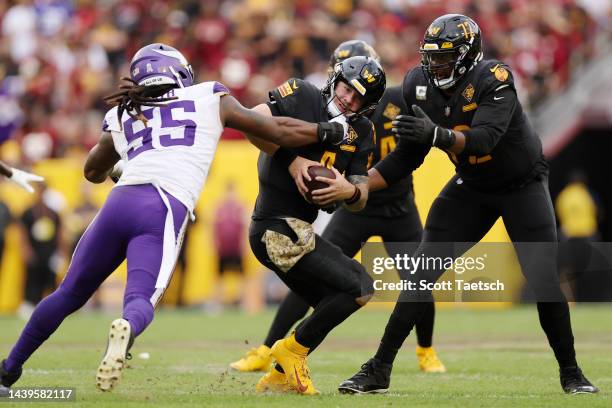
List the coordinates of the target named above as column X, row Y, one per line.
column 355, row 197
column 443, row 138
column 331, row 132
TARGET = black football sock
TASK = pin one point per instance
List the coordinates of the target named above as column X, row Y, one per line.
column 555, row 320
column 425, row 326
column 292, row 309
column 401, row 322
column 329, row 313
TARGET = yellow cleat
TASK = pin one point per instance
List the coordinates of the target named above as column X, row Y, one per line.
column 291, row 355
column 256, row 359
column 273, row 381
column 429, row 361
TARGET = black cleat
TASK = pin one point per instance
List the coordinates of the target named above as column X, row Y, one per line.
column 373, row 378
column 574, row 382
column 7, row 379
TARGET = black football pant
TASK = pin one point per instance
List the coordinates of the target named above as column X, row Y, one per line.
column 349, row 231
column 460, row 214
column 325, row 278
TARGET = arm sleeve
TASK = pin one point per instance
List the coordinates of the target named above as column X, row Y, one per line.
column 285, row 99
column 405, row 90
column 285, row 156
column 406, row 158
column 274, row 108
column 491, row 120
column 283, row 102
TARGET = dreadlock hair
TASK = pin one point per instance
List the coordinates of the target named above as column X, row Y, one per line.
column 133, row 96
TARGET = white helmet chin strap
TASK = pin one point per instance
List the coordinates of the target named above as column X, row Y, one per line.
column 332, row 108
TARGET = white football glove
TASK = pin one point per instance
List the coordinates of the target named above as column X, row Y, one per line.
column 23, row 178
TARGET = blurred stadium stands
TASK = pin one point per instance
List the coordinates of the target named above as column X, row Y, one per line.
column 59, row 57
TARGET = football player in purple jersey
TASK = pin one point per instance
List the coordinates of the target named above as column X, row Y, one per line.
column 159, row 141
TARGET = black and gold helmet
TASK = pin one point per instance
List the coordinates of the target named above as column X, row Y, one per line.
column 364, row 75
column 352, row 48
column 452, row 45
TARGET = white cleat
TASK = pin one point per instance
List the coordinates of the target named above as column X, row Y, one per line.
column 112, row 365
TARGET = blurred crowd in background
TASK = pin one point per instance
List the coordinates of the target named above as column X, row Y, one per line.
column 59, row 57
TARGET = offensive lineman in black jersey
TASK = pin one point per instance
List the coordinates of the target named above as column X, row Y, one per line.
column 349, row 230
column 281, row 234
column 469, row 108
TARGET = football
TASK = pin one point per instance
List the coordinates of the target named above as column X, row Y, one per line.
column 317, row 171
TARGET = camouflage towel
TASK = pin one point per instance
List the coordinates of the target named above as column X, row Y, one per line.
column 285, row 253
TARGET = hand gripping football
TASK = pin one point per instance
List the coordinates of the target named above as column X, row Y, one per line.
column 312, row 185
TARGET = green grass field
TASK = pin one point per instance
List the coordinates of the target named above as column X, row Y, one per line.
column 494, row 358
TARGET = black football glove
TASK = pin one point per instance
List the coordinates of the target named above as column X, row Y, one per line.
column 421, row 129
column 331, row 133
column 116, row 172
column 331, row 207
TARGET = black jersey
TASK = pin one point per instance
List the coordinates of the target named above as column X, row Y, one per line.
column 502, row 150
column 396, row 199
column 278, row 194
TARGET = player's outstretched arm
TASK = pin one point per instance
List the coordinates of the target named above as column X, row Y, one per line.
column 5, row 169
column 280, row 130
column 262, row 144
column 101, row 159
column 23, row 178
column 403, row 160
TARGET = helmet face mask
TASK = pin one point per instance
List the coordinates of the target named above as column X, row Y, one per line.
column 451, row 47
column 159, row 64
column 439, row 65
column 364, row 76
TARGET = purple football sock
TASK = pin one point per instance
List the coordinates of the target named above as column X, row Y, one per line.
column 139, row 312
column 47, row 317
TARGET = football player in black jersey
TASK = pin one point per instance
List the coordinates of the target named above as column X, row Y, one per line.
column 349, row 230
column 281, row 234
column 468, row 107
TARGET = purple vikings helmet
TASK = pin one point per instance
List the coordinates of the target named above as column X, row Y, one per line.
column 159, row 64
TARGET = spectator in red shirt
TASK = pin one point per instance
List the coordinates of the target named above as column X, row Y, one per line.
column 229, row 234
